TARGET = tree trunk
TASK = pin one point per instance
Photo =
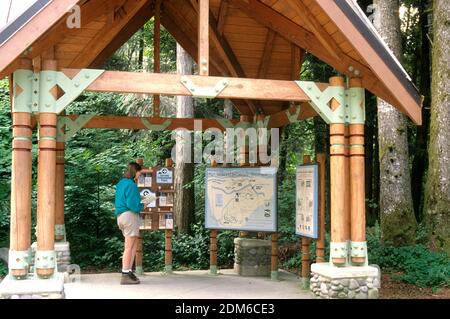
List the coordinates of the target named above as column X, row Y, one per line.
column 420, row 161
column 184, row 169
column 398, row 223
column 437, row 192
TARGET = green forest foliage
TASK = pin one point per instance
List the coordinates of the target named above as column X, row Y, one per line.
column 95, row 160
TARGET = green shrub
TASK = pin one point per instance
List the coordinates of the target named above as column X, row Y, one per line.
column 417, row 264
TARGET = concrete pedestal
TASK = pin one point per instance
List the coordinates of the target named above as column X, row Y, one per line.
column 352, row 282
column 252, row 257
column 32, row 288
column 62, row 250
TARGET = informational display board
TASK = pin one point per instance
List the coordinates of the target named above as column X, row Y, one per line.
column 307, row 190
column 241, row 198
column 157, row 183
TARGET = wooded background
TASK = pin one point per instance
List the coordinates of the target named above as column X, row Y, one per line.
column 407, row 166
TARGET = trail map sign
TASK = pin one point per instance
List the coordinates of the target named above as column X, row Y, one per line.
column 307, row 187
column 164, row 176
column 241, row 198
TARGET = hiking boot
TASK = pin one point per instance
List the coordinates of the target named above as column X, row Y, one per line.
column 129, row 279
column 133, row 276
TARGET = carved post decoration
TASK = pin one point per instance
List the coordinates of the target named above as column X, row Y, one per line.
column 20, row 225
column 358, row 214
column 338, row 245
column 46, row 198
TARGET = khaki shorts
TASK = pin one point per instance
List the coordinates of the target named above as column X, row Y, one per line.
column 129, row 224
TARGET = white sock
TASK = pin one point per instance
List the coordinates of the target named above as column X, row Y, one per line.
column 126, row 270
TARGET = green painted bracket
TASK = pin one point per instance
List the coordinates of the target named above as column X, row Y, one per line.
column 18, row 259
column 339, row 250
column 72, row 88
column 359, row 249
column 262, row 123
column 71, row 127
column 351, row 109
column 293, row 117
column 156, row 127
column 356, row 106
column 45, row 259
column 22, row 87
column 225, row 123
column 60, row 230
column 204, row 92
column 32, row 91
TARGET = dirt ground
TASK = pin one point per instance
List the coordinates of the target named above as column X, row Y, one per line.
column 392, row 289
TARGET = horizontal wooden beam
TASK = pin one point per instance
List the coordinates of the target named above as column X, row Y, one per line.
column 137, row 123
column 170, row 84
column 142, row 123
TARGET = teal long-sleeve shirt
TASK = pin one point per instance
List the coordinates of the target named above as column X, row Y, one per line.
column 127, row 197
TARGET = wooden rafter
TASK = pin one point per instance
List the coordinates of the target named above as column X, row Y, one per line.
column 267, row 54
column 203, row 37
column 185, row 38
column 30, row 32
column 118, row 18
column 225, row 51
column 223, row 10
column 295, row 33
column 324, row 38
column 127, row 31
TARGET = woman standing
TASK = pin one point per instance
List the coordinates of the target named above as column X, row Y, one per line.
column 128, row 208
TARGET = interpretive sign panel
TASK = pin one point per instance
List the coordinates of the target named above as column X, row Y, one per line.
column 241, row 198
column 307, row 187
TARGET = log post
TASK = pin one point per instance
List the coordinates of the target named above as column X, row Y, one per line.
column 140, row 244
column 139, row 254
column 157, row 55
column 168, row 268
column 213, row 252
column 21, row 168
column 320, row 244
column 338, row 246
column 357, row 185
column 274, row 257
column 46, row 197
column 213, row 243
column 306, row 242
column 347, row 186
column 60, row 230
column 203, row 37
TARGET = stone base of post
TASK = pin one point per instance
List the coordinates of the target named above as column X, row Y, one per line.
column 351, row 282
column 33, row 288
column 252, row 257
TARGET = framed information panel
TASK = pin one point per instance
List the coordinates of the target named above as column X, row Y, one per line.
column 241, row 198
column 306, row 200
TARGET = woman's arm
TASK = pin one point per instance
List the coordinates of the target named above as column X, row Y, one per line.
column 133, row 199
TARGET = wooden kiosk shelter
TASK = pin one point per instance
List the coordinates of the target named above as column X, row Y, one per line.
column 248, row 51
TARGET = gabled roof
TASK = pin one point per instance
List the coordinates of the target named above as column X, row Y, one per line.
column 248, row 38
